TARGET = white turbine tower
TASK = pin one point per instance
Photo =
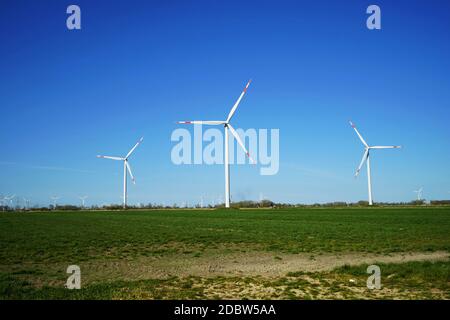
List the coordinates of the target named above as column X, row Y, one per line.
column 366, row 158
column 83, row 198
column 10, row 200
column 3, row 201
column 27, row 203
column 55, row 199
column 419, row 193
column 227, row 126
column 126, row 167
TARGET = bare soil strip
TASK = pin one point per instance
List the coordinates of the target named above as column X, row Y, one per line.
column 241, row 264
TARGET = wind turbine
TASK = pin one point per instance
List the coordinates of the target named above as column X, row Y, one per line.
column 83, row 198
column 10, row 199
column 3, row 200
column 366, row 158
column 27, row 202
column 226, row 124
column 126, row 167
column 54, row 198
column 419, row 193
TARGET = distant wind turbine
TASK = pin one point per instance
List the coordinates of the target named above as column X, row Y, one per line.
column 419, row 193
column 126, row 167
column 366, row 158
column 83, row 198
column 3, row 200
column 10, row 200
column 27, row 202
column 55, row 199
column 219, row 200
column 227, row 126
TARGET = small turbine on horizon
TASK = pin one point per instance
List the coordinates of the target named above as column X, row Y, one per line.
column 83, row 198
column 10, row 200
column 55, row 199
column 4, row 200
column 419, row 193
column 27, row 202
column 226, row 124
column 126, row 167
column 366, row 158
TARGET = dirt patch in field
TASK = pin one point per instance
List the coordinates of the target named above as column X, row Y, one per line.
column 309, row 286
column 211, row 264
column 242, row 275
column 239, row 264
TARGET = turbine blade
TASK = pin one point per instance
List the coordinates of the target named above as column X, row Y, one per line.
column 129, row 171
column 364, row 158
column 233, row 110
column 112, row 158
column 213, row 123
column 135, row 146
column 238, row 139
column 386, row 147
column 359, row 135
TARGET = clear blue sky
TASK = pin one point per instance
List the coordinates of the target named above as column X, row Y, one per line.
column 136, row 67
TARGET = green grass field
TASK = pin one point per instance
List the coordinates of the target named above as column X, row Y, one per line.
column 285, row 254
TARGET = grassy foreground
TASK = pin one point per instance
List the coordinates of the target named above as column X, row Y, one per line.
column 135, row 254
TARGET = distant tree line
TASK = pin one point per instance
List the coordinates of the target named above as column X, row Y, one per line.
column 237, row 205
column 440, row 202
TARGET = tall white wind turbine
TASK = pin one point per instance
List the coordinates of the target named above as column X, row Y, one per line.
column 3, row 201
column 126, row 167
column 419, row 193
column 83, row 199
column 366, row 158
column 10, row 200
column 55, row 199
column 226, row 124
column 27, row 203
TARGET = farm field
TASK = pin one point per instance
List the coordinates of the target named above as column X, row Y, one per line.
column 227, row 254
